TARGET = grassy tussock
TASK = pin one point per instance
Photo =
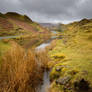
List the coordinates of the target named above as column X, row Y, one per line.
column 19, row 71
column 42, row 58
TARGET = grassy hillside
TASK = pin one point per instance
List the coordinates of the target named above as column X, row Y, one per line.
column 28, row 32
column 13, row 23
column 72, row 59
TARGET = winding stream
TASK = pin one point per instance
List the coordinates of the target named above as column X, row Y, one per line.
column 46, row 80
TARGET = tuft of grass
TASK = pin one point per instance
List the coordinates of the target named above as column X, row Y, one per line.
column 19, row 71
column 42, row 58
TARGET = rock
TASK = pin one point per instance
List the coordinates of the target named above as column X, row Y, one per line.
column 63, row 81
column 82, row 85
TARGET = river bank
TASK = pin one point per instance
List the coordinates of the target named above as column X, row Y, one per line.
column 15, row 56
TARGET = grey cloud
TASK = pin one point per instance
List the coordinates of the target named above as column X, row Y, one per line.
column 50, row 10
column 50, row 7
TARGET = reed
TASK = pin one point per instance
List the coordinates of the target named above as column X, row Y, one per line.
column 19, row 71
column 42, row 58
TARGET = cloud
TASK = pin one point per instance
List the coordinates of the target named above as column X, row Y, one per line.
column 50, row 10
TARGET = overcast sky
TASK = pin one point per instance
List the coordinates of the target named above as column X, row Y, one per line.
column 49, row 10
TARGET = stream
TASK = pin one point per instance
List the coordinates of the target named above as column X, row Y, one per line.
column 45, row 84
column 46, row 80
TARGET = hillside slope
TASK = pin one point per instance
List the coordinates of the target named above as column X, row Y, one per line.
column 72, row 59
column 13, row 23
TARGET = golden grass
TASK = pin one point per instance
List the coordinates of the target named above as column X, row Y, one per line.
column 42, row 58
column 19, row 71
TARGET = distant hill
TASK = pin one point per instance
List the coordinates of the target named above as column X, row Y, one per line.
column 48, row 24
column 13, row 23
column 83, row 25
column 51, row 26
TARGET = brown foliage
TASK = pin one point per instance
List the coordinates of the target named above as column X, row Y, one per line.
column 42, row 58
column 19, row 71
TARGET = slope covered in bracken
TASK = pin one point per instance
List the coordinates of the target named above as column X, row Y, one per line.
column 17, row 24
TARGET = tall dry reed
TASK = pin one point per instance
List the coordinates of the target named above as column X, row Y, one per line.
column 42, row 58
column 19, row 71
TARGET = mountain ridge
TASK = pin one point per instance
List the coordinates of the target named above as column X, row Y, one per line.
column 18, row 24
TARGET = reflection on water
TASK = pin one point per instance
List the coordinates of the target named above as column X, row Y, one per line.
column 54, row 32
column 42, row 46
column 6, row 37
column 46, row 80
column 47, row 43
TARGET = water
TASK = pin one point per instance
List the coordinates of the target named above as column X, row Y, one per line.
column 6, row 37
column 54, row 32
column 47, row 43
column 42, row 46
column 46, row 80
column 46, row 83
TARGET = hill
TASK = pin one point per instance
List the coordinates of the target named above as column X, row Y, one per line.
column 51, row 26
column 17, row 24
column 72, row 59
column 48, row 24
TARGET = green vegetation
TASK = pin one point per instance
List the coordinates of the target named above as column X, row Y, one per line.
column 72, row 59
